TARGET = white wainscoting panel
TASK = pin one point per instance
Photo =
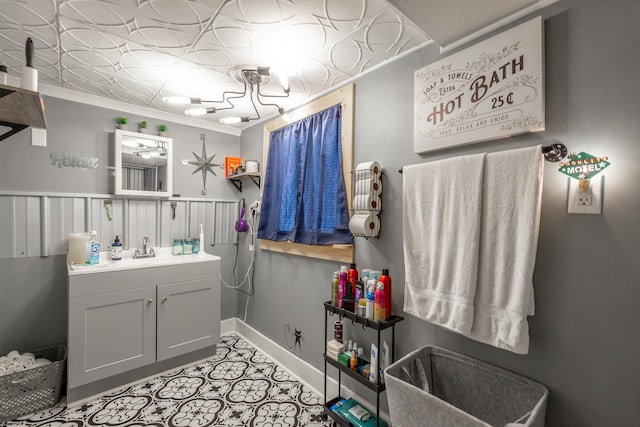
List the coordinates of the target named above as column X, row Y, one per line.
column 40, row 224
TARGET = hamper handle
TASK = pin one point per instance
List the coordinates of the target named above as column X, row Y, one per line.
column 20, row 381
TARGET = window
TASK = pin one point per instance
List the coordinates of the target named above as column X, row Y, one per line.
column 314, row 208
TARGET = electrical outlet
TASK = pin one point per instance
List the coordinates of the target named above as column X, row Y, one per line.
column 584, row 198
column 255, row 207
column 586, row 202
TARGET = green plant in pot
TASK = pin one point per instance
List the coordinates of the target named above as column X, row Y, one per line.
column 162, row 130
column 142, row 127
column 122, row 123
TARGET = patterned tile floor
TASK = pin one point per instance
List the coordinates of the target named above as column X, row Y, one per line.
column 239, row 386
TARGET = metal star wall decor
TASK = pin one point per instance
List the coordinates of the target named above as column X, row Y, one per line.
column 204, row 164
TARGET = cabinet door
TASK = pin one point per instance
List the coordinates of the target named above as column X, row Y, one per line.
column 188, row 316
column 110, row 333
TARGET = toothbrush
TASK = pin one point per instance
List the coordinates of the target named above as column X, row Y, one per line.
column 201, row 241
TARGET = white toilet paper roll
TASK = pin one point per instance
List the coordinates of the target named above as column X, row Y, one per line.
column 364, row 224
column 29, row 78
column 368, row 186
column 367, row 202
column 373, row 166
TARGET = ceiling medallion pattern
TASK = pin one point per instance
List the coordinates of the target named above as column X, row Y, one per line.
column 140, row 51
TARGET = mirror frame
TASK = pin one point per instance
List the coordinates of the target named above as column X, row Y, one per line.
column 119, row 135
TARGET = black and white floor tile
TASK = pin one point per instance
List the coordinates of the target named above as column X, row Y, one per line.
column 239, row 386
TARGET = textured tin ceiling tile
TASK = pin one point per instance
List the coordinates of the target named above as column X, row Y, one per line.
column 141, row 50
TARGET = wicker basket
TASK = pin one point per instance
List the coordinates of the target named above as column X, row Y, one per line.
column 32, row 390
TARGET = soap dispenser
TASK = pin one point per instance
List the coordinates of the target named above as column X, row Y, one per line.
column 116, row 250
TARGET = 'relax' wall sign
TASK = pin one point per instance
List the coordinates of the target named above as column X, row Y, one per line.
column 490, row 90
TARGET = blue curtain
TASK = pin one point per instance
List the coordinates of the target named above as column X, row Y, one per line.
column 304, row 198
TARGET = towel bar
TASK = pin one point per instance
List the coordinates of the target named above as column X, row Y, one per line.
column 552, row 153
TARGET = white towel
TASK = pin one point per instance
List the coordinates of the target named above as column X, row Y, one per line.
column 14, row 356
column 508, row 245
column 441, row 224
column 27, row 362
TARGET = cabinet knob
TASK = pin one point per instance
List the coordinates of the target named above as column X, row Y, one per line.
column 150, row 300
column 164, row 299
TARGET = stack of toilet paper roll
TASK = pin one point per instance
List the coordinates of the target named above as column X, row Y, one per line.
column 15, row 362
column 366, row 200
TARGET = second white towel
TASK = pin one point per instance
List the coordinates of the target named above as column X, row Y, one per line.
column 508, row 244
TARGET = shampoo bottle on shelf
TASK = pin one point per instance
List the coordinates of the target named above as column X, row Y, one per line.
column 353, row 362
column 379, row 303
column 348, row 300
column 371, row 288
column 116, row 250
column 359, row 293
column 352, row 277
column 342, row 289
column 386, row 279
column 335, row 284
column 94, row 248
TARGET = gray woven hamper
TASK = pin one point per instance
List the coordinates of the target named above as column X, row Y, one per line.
column 436, row 387
column 32, row 390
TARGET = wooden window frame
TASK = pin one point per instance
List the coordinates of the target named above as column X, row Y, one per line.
column 345, row 97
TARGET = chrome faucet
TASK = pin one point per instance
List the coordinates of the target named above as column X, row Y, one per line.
column 146, row 252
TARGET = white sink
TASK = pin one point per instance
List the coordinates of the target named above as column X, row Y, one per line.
column 164, row 256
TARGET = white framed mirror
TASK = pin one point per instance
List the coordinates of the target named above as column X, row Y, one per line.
column 143, row 164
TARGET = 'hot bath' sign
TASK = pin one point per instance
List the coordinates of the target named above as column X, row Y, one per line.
column 488, row 91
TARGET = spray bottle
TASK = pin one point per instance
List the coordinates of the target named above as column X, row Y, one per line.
column 352, row 276
column 386, row 279
column 342, row 289
column 379, row 303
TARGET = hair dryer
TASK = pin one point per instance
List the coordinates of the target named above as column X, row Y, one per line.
column 241, row 224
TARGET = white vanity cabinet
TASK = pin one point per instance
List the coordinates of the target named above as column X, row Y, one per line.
column 127, row 316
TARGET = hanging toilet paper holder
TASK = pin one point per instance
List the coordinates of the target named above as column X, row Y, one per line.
column 366, row 202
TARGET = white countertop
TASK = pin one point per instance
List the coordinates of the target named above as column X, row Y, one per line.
column 164, row 256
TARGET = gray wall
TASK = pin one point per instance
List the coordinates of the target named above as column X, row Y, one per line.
column 584, row 336
column 33, row 295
